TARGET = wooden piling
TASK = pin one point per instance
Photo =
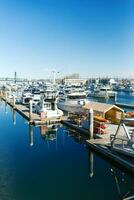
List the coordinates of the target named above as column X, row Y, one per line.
column 91, row 121
column 6, row 96
column 30, row 111
column 14, row 102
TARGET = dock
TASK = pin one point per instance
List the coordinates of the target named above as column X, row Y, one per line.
column 34, row 118
column 101, row 145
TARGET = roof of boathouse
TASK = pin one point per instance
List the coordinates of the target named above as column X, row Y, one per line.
column 101, row 107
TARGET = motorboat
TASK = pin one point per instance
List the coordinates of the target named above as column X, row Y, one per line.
column 129, row 88
column 103, row 92
column 49, row 111
column 72, row 102
column 26, row 97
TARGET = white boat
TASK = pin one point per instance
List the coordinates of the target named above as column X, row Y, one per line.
column 129, row 88
column 72, row 102
column 46, row 108
column 104, row 92
column 118, row 88
column 26, row 97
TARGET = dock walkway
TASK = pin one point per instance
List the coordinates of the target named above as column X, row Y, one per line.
column 35, row 119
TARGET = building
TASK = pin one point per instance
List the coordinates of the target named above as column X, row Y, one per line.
column 110, row 112
column 74, row 82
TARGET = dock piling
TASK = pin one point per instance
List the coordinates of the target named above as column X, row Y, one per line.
column 14, row 101
column 6, row 96
column 115, row 98
column 90, row 117
column 30, row 111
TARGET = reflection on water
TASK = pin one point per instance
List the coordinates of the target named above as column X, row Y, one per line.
column 14, row 116
column 48, row 132
column 53, row 162
column 125, row 188
column 31, row 135
column 91, row 164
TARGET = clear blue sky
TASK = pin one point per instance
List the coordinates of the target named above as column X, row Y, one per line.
column 89, row 37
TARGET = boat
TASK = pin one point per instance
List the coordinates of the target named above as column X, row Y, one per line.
column 118, row 88
column 129, row 88
column 103, row 92
column 72, row 102
column 48, row 109
column 26, row 97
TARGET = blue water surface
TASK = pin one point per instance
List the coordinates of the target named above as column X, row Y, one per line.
column 40, row 165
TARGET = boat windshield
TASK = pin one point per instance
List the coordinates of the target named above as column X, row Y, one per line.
column 77, row 97
column 105, row 89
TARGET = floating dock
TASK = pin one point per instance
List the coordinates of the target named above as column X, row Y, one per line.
column 34, row 118
column 101, row 145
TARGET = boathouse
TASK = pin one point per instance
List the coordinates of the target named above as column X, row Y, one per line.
column 108, row 111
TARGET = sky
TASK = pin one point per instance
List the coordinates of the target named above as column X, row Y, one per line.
column 89, row 37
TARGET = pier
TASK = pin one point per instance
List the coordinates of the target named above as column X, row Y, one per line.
column 25, row 112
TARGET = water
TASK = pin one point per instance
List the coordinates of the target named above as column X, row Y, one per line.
column 33, row 167
column 125, row 97
column 122, row 97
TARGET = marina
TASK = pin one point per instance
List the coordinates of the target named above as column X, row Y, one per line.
column 96, row 141
column 66, row 100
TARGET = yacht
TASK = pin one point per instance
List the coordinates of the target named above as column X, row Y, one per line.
column 103, row 92
column 50, row 111
column 118, row 88
column 129, row 88
column 72, row 102
column 26, row 97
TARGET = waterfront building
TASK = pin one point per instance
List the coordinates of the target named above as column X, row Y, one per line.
column 74, row 82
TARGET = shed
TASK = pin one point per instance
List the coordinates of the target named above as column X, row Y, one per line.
column 111, row 112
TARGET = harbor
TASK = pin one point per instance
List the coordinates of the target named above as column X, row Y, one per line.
column 98, row 139
column 66, row 100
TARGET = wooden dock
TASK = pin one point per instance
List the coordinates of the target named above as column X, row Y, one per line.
column 35, row 118
column 102, row 147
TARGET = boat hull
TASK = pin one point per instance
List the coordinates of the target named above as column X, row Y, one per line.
column 69, row 107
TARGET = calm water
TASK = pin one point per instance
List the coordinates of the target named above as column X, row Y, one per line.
column 122, row 97
column 35, row 166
